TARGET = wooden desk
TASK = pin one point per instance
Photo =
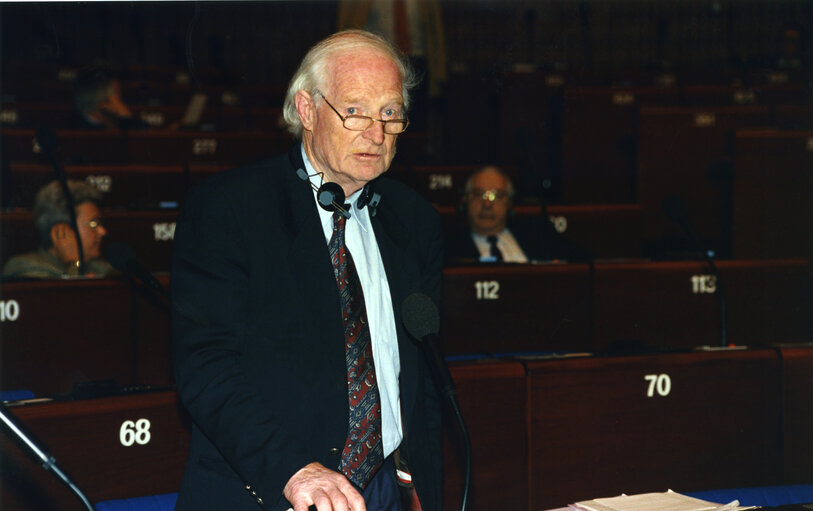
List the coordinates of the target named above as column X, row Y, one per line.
column 544, row 432
column 599, row 140
column 493, row 309
column 675, row 305
column 86, row 437
column 688, row 152
column 116, row 447
column 492, row 398
column 55, row 334
column 148, row 146
column 135, row 187
column 773, row 213
column 603, row 426
column 797, row 413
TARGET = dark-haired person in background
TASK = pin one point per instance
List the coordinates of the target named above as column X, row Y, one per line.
column 490, row 236
column 289, row 350
column 98, row 104
column 58, row 255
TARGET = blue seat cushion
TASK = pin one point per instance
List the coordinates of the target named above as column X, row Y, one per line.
column 15, row 395
column 163, row 502
column 759, row 496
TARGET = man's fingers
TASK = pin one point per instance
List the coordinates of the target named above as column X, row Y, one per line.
column 326, row 489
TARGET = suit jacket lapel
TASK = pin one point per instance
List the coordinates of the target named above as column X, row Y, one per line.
column 308, row 253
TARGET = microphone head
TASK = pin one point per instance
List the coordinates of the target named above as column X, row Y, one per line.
column 420, row 316
column 120, row 255
column 675, row 208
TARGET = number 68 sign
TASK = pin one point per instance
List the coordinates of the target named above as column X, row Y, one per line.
column 137, row 432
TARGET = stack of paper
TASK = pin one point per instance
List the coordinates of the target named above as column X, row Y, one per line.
column 668, row 501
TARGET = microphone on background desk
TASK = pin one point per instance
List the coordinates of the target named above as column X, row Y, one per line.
column 123, row 258
column 675, row 208
column 422, row 321
column 17, row 431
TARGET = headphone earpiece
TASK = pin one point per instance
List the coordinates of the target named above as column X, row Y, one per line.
column 373, row 204
column 330, row 196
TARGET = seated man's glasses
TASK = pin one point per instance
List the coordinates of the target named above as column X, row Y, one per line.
column 488, row 195
column 362, row 122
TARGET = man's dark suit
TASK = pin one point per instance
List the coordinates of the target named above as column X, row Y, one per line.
column 258, row 340
column 538, row 240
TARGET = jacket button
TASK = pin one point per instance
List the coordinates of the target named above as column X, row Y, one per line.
column 333, row 451
column 260, row 501
column 248, row 487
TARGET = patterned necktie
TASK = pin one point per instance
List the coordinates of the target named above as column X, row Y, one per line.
column 363, row 451
column 495, row 251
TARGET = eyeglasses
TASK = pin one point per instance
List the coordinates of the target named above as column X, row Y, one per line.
column 95, row 223
column 488, row 195
column 362, row 122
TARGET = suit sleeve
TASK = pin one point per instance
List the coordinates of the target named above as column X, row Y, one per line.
column 210, row 287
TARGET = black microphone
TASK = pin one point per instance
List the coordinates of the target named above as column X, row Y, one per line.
column 122, row 257
column 422, row 321
column 23, row 438
column 48, row 141
column 677, row 211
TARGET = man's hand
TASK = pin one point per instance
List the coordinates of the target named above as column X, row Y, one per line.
column 328, row 490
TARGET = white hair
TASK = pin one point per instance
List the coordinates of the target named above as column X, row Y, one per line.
column 312, row 74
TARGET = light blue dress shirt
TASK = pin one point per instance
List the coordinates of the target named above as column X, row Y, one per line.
column 361, row 242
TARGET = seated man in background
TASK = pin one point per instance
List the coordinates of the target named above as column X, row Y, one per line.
column 487, row 204
column 58, row 256
column 98, row 103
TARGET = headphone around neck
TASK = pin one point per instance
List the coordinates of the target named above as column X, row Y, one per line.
column 330, row 196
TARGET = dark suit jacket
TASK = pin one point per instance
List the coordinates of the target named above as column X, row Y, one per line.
column 258, row 341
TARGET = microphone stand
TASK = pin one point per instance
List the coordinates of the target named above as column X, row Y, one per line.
column 9, row 423
column 464, row 434
column 422, row 321
column 675, row 209
column 718, row 281
column 47, row 139
column 445, row 383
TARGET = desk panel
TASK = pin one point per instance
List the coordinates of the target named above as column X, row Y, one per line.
column 55, row 334
column 773, row 213
column 492, row 308
column 633, row 424
column 797, row 423
column 675, row 304
column 599, row 140
column 104, row 454
column 86, row 439
column 687, row 152
column 492, row 400
column 75, row 147
column 135, row 187
column 158, row 147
